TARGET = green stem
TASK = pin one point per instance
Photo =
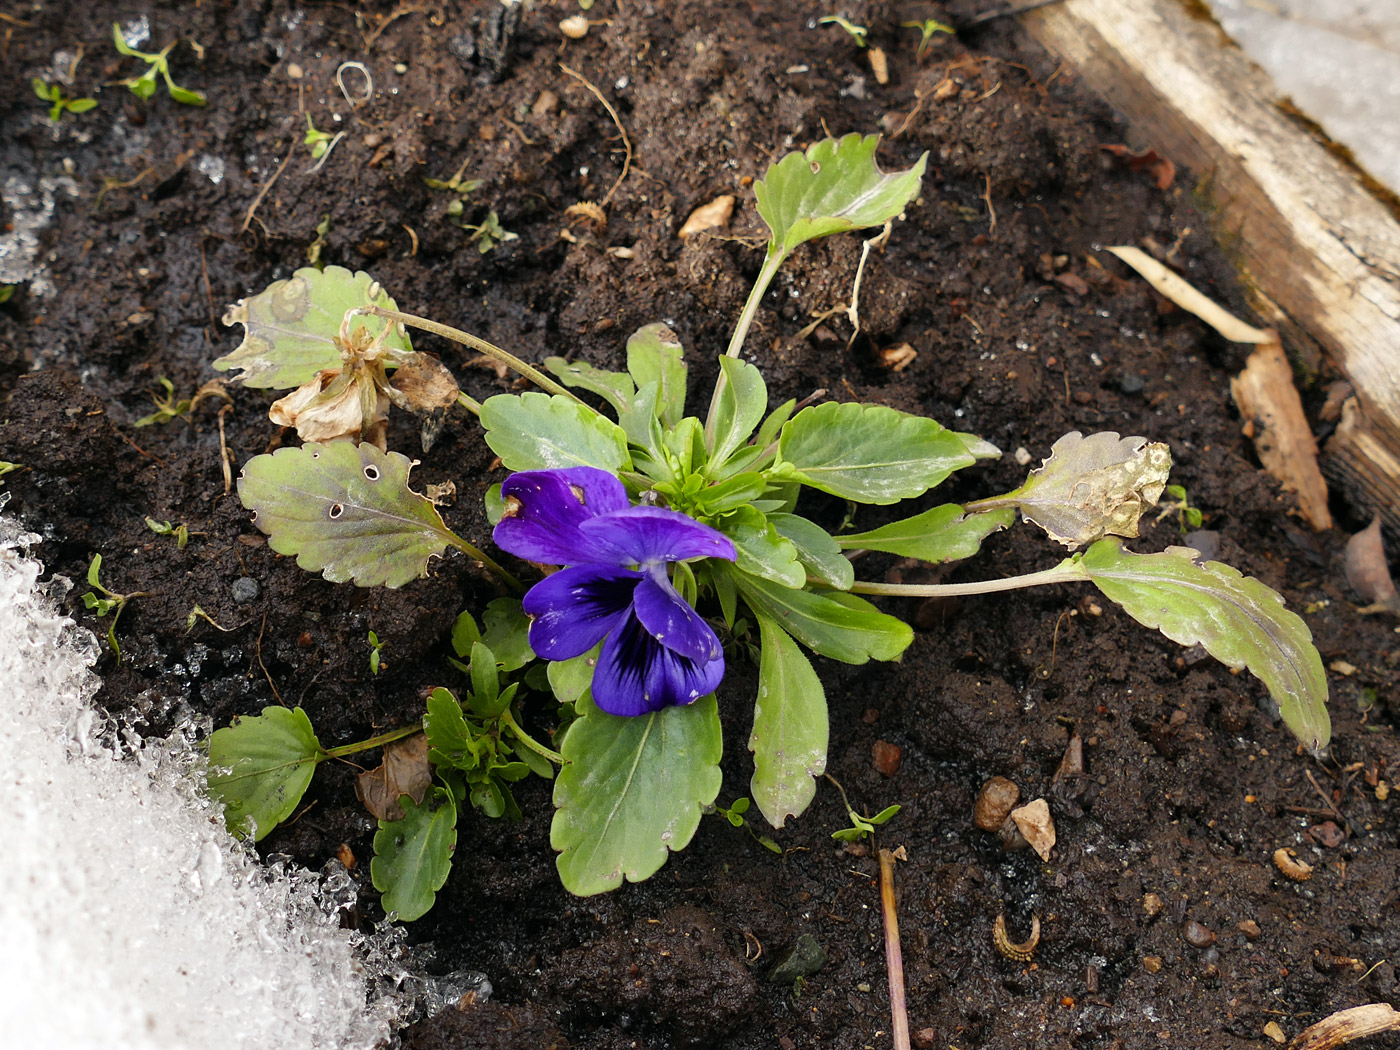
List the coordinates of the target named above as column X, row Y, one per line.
column 486, row 561
column 1068, row 571
column 530, row 742
column 529, row 371
column 771, row 262
column 471, row 404
column 372, row 742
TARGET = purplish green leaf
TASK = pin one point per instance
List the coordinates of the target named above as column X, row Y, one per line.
column 654, row 354
column 535, row 431
column 868, row 453
column 789, row 737
column 632, row 791
column 837, row 625
column 942, row 534
column 1239, row 621
column 346, row 511
column 291, row 330
column 260, row 766
column 835, row 186
column 413, row 856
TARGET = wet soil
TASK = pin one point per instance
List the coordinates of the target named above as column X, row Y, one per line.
column 159, row 215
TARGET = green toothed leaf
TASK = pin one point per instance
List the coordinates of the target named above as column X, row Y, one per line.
column 789, row 737
column 654, row 354
column 1239, row 621
column 835, row 186
column 260, row 766
column 743, row 400
column 506, row 633
column 632, row 791
column 836, row 625
column 942, row 534
column 413, row 856
column 535, row 431
column 616, row 388
column 345, row 511
column 868, row 453
column 291, row 330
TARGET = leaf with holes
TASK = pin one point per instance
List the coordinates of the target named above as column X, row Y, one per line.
column 1240, row 621
column 835, row 186
column 292, row 330
column 631, row 791
column 345, row 511
column 260, row 766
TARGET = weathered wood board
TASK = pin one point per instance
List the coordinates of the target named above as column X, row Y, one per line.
column 1318, row 254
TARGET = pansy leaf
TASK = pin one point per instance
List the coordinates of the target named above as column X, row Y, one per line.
column 616, row 388
column 761, row 550
column 742, row 402
column 413, row 856
column 291, row 329
column 789, row 737
column 1091, row 487
column 835, row 186
column 868, row 453
column 836, row 625
column 345, row 511
column 507, row 633
column 654, row 354
column 570, row 679
column 738, row 491
column 449, row 737
column 1239, row 621
column 943, row 534
column 818, row 551
column 632, row 791
column 535, row 431
column 260, row 766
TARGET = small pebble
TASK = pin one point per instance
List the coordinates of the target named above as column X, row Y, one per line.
column 924, row 1038
column 1196, row 935
column 994, row 804
column 245, row 589
column 1249, row 928
column 1151, row 963
column 886, row 757
column 1132, row 384
column 805, row 959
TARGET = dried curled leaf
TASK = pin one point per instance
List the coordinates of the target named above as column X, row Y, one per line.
column 292, row 330
column 1367, row 571
column 1092, row 487
column 708, row 216
column 405, row 770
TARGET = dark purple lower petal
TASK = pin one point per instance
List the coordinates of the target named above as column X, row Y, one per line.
column 652, row 535
column 575, row 608
column 636, row 674
column 545, row 509
column 671, row 621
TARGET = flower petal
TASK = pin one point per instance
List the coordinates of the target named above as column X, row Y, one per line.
column 575, row 608
column 652, row 535
column 546, row 508
column 669, row 619
column 636, row 674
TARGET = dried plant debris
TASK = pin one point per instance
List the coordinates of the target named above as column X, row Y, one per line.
column 1368, row 573
column 405, row 770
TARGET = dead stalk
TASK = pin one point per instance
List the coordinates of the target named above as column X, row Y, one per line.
column 894, row 958
column 626, row 142
column 1346, row 1025
column 253, row 208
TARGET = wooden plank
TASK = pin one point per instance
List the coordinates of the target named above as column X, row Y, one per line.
column 1317, row 253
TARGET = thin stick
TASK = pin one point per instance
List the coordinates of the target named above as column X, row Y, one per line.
column 252, row 209
column 223, row 451
column 987, row 196
column 626, row 142
column 894, row 958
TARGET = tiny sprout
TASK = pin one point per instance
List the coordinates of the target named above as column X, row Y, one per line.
column 927, row 27
column 489, row 233
column 374, row 646
column 181, row 533
column 6, row 291
column 169, row 408
column 861, row 826
column 6, row 467
column 197, row 613
column 158, row 65
column 857, row 33
column 1187, row 516
column 314, row 249
column 318, row 140
column 53, row 93
column 113, row 603
column 735, row 815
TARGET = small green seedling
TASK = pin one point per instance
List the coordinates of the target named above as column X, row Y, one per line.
column 113, row 603
column 456, row 184
column 375, row 662
column 314, row 249
column 1187, row 516
column 927, row 27
column 168, row 407
column 6, row 291
column 158, row 65
column 53, row 94
column 198, row 613
column 858, row 34
column 318, row 140
column 6, row 467
column 489, row 235
column 163, row 528
column 861, row 826
column 735, row 815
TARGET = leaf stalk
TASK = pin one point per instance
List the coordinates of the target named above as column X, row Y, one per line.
column 1068, row 571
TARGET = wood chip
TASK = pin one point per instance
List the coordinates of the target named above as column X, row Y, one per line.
column 1034, row 822
column 708, row 216
column 1265, row 393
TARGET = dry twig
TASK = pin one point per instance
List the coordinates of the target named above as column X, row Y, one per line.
column 894, row 958
column 626, row 142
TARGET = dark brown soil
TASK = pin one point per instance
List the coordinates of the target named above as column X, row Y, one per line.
column 1191, row 783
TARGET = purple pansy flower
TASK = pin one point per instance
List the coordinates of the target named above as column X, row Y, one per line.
column 657, row 651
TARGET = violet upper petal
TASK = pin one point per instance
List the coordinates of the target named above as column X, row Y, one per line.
column 651, row 535
column 669, row 619
column 636, row 674
column 545, row 509
column 575, row 608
